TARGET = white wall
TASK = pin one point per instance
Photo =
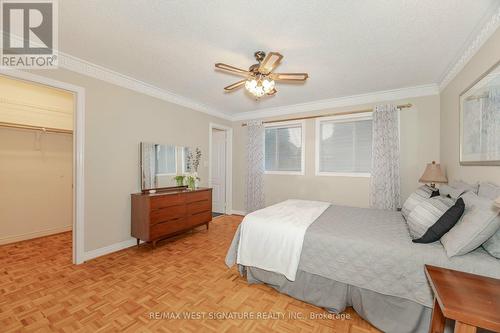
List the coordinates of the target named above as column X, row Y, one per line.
column 36, row 170
column 419, row 145
column 486, row 57
column 116, row 121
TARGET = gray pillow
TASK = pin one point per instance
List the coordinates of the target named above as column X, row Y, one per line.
column 454, row 193
column 422, row 193
column 426, row 213
column 489, row 190
column 478, row 223
column 492, row 245
column 466, row 187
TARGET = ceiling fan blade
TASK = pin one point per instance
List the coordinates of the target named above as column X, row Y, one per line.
column 290, row 76
column 272, row 92
column 235, row 85
column 270, row 62
column 232, row 69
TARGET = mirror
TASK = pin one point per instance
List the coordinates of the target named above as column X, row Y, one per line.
column 160, row 163
column 480, row 120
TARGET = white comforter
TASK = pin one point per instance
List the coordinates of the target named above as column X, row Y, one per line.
column 271, row 238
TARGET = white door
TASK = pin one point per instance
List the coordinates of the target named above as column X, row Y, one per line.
column 218, row 167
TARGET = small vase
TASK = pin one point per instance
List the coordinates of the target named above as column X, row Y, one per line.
column 191, row 183
column 180, row 181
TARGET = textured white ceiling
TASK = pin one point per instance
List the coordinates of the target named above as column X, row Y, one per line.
column 347, row 47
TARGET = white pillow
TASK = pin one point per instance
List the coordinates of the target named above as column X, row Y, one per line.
column 478, row 223
column 489, row 190
column 422, row 193
column 466, row 187
column 492, row 245
column 426, row 213
column 454, row 193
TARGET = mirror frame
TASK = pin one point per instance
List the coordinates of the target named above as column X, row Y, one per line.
column 460, row 125
column 155, row 189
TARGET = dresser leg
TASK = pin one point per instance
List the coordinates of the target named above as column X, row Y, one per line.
column 438, row 319
column 138, row 241
column 154, row 244
column 464, row 328
column 207, row 225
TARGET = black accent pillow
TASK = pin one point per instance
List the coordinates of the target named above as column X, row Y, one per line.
column 435, row 193
column 444, row 224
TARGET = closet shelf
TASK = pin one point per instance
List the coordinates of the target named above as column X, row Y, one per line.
column 36, row 128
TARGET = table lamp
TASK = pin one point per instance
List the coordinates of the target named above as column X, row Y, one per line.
column 433, row 175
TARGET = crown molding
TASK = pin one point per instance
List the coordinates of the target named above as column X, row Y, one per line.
column 373, row 97
column 87, row 68
column 484, row 34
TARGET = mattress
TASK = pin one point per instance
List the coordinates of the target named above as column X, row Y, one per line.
column 372, row 249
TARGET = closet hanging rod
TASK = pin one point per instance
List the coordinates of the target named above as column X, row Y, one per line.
column 36, row 128
column 401, row 106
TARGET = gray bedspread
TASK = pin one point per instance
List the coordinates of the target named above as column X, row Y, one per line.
column 372, row 249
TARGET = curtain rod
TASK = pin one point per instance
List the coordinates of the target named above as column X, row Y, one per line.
column 401, row 106
column 37, row 128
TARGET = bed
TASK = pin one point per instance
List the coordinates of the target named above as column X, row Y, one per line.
column 365, row 258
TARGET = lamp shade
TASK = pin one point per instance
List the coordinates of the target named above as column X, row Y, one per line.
column 433, row 174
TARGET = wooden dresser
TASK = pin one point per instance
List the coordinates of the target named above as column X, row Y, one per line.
column 168, row 213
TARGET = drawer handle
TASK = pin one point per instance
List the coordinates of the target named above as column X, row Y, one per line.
column 182, row 207
column 201, row 200
column 204, row 212
column 171, row 220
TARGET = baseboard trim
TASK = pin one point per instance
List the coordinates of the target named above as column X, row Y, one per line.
column 238, row 212
column 35, row 234
column 102, row 251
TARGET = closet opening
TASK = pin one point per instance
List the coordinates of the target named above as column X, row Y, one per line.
column 37, row 167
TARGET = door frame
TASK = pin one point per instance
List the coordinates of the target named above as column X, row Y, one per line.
column 229, row 163
column 78, row 153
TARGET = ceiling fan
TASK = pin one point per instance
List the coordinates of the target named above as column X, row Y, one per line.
column 259, row 78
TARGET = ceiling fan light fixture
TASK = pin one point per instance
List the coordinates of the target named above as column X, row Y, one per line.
column 259, row 87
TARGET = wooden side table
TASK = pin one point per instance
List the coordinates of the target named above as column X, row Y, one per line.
column 471, row 300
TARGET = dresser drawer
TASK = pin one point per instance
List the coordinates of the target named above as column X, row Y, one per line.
column 168, row 213
column 199, row 218
column 198, row 196
column 166, row 201
column 165, row 228
column 199, row 206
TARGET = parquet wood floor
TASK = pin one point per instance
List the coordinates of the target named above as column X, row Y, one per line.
column 143, row 290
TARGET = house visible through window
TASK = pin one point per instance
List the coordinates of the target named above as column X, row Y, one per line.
column 284, row 148
column 166, row 160
column 344, row 145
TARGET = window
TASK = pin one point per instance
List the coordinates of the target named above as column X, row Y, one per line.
column 344, row 145
column 166, row 160
column 284, row 148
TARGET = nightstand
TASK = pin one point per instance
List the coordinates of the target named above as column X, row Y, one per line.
column 471, row 300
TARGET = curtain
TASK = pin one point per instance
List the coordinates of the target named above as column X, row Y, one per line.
column 254, row 198
column 148, row 159
column 385, row 179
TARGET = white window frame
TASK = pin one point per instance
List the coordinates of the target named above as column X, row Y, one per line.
column 170, row 174
column 338, row 119
column 286, row 124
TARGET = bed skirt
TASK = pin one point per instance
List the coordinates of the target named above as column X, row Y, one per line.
column 388, row 313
